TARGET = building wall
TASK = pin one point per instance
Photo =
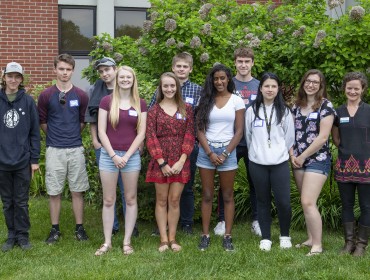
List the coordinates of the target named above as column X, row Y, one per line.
column 29, row 35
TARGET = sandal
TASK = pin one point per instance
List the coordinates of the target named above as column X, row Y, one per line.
column 127, row 249
column 103, row 249
column 303, row 245
column 163, row 246
column 175, row 246
column 314, row 253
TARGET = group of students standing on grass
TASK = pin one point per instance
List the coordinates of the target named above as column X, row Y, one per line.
column 212, row 128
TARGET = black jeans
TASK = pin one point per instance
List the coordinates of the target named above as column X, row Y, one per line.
column 277, row 179
column 187, row 196
column 347, row 193
column 14, row 192
column 241, row 152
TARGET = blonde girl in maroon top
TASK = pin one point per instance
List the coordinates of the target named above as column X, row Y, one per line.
column 121, row 129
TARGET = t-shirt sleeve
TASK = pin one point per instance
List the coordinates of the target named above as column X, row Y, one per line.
column 143, row 106
column 105, row 103
column 327, row 109
column 239, row 103
column 42, row 106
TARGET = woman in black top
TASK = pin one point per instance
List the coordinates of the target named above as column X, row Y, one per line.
column 351, row 134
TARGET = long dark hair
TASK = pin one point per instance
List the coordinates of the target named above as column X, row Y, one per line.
column 207, row 100
column 301, row 100
column 281, row 108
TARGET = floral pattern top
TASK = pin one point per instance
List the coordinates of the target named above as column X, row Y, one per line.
column 353, row 162
column 169, row 137
column 307, row 128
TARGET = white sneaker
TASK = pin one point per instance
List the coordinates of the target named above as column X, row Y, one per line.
column 285, row 242
column 265, row 245
column 220, row 228
column 255, row 228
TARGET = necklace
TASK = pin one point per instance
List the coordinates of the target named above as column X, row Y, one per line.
column 268, row 123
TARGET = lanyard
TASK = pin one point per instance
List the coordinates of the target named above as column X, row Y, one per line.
column 268, row 124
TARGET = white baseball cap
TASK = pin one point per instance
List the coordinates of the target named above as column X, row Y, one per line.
column 13, row 67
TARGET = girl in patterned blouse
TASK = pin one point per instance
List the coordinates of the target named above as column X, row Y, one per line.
column 310, row 156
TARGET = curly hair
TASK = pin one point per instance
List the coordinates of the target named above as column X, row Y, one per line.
column 281, row 108
column 301, row 100
column 207, row 100
column 351, row 76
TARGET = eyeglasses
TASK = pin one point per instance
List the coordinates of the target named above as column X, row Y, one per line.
column 314, row 83
column 62, row 97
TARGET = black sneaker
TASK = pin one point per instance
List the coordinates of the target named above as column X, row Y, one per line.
column 227, row 243
column 188, row 229
column 53, row 237
column 24, row 243
column 81, row 234
column 204, row 242
column 114, row 231
column 8, row 245
column 135, row 232
column 155, row 232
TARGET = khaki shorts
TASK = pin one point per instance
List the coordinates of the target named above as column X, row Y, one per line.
column 62, row 163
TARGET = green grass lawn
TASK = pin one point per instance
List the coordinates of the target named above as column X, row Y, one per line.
column 70, row 259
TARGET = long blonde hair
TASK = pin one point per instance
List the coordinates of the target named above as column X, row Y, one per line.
column 115, row 101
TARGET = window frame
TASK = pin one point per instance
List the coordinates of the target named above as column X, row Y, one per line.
column 83, row 53
column 128, row 9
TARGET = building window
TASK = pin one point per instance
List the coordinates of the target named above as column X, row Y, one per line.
column 77, row 24
column 129, row 21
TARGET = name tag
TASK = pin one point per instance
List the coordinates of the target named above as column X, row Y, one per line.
column 189, row 100
column 132, row 113
column 179, row 116
column 344, row 120
column 258, row 123
column 73, row 103
column 253, row 97
column 313, row 116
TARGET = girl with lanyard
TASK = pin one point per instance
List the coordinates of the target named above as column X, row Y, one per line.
column 310, row 156
column 349, row 132
column 269, row 131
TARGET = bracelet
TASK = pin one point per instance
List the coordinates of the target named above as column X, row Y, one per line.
column 209, row 154
column 225, row 153
column 113, row 156
column 163, row 164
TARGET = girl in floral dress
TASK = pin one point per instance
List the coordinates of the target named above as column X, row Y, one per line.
column 170, row 141
column 310, row 156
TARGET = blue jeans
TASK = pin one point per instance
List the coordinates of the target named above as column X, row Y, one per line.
column 187, row 196
column 120, row 184
column 241, row 152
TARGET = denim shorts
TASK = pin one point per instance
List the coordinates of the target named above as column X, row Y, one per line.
column 107, row 164
column 203, row 160
column 320, row 167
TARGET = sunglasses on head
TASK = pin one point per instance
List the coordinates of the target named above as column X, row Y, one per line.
column 62, row 97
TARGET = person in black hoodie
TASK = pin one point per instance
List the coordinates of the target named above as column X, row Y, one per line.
column 19, row 154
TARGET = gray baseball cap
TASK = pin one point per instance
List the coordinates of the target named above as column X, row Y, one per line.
column 13, row 67
column 105, row 61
